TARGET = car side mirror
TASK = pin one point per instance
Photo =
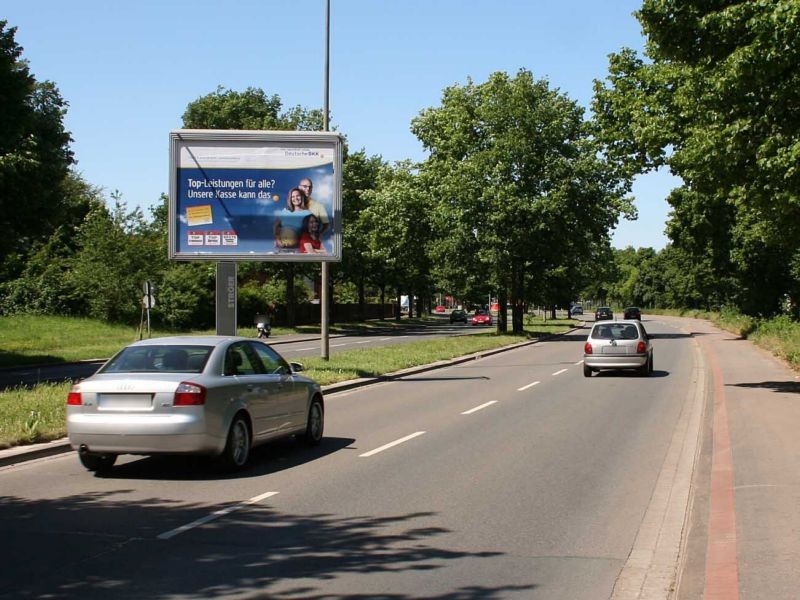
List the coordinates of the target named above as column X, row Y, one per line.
column 297, row 367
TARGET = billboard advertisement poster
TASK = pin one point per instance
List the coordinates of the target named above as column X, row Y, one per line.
column 255, row 195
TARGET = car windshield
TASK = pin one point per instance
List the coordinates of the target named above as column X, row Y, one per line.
column 615, row 331
column 159, row 359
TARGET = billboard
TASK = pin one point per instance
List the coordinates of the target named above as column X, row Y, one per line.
column 255, row 195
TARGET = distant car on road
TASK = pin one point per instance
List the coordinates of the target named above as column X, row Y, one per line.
column 633, row 312
column 576, row 310
column 458, row 316
column 211, row 395
column 440, row 309
column 481, row 317
column 603, row 313
column 618, row 345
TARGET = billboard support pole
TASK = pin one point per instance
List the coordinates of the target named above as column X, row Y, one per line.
column 226, row 298
column 324, row 300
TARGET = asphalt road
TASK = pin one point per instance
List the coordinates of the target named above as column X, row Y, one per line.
column 512, row 476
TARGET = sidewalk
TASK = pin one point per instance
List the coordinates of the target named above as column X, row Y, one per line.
column 743, row 531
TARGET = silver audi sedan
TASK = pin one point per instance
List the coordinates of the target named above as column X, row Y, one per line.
column 214, row 395
column 618, row 345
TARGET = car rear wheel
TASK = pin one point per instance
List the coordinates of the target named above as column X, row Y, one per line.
column 650, row 364
column 237, row 447
column 587, row 372
column 98, row 463
column 644, row 370
column 315, row 424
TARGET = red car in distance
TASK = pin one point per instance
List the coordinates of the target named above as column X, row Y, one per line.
column 481, row 317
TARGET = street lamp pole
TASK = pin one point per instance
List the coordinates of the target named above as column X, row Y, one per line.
column 324, row 301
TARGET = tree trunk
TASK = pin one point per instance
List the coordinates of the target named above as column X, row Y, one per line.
column 517, row 287
column 290, row 298
column 502, row 312
column 383, row 299
column 361, row 298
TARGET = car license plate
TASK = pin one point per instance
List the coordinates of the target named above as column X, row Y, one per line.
column 124, row 401
column 615, row 350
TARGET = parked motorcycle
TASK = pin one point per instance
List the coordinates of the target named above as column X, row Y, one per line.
column 263, row 326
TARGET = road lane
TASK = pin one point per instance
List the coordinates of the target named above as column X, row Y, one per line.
column 537, row 495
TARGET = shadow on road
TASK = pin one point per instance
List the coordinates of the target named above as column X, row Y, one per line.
column 264, row 460
column 787, row 387
column 104, row 544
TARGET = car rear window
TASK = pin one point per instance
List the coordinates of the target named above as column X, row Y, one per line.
column 159, row 359
column 615, row 331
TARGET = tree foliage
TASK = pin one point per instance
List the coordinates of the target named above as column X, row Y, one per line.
column 396, row 230
column 518, row 193
column 36, row 192
column 717, row 102
column 117, row 251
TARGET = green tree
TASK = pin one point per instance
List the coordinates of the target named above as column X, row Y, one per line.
column 35, row 180
column 251, row 109
column 715, row 102
column 42, row 286
column 117, row 250
column 396, row 229
column 358, row 266
column 514, row 173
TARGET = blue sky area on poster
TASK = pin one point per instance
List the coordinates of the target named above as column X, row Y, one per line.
column 235, row 199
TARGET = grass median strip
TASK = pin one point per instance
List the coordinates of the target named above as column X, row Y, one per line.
column 37, row 414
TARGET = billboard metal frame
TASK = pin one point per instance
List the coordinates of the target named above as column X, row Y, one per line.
column 228, row 188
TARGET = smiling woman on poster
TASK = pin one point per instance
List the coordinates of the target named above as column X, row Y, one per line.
column 289, row 221
column 311, row 237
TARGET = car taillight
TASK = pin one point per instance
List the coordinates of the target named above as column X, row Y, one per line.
column 189, row 394
column 587, row 348
column 641, row 347
column 74, row 398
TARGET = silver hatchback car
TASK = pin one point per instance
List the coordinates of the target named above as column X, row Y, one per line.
column 213, row 395
column 618, row 345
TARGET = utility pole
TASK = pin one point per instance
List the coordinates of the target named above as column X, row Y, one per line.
column 324, row 300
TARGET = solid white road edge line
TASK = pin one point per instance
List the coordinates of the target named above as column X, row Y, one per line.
column 530, row 385
column 477, row 408
column 559, row 372
column 391, row 444
column 215, row 515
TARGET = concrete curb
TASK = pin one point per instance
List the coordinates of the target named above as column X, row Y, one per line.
column 19, row 454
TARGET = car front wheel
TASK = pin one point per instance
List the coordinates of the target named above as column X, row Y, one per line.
column 315, row 424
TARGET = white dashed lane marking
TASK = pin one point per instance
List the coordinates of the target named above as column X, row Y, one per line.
column 391, row 444
column 477, row 408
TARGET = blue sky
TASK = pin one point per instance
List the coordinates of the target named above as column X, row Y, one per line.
column 128, row 70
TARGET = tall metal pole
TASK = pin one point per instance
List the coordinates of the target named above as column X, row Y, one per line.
column 324, row 350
